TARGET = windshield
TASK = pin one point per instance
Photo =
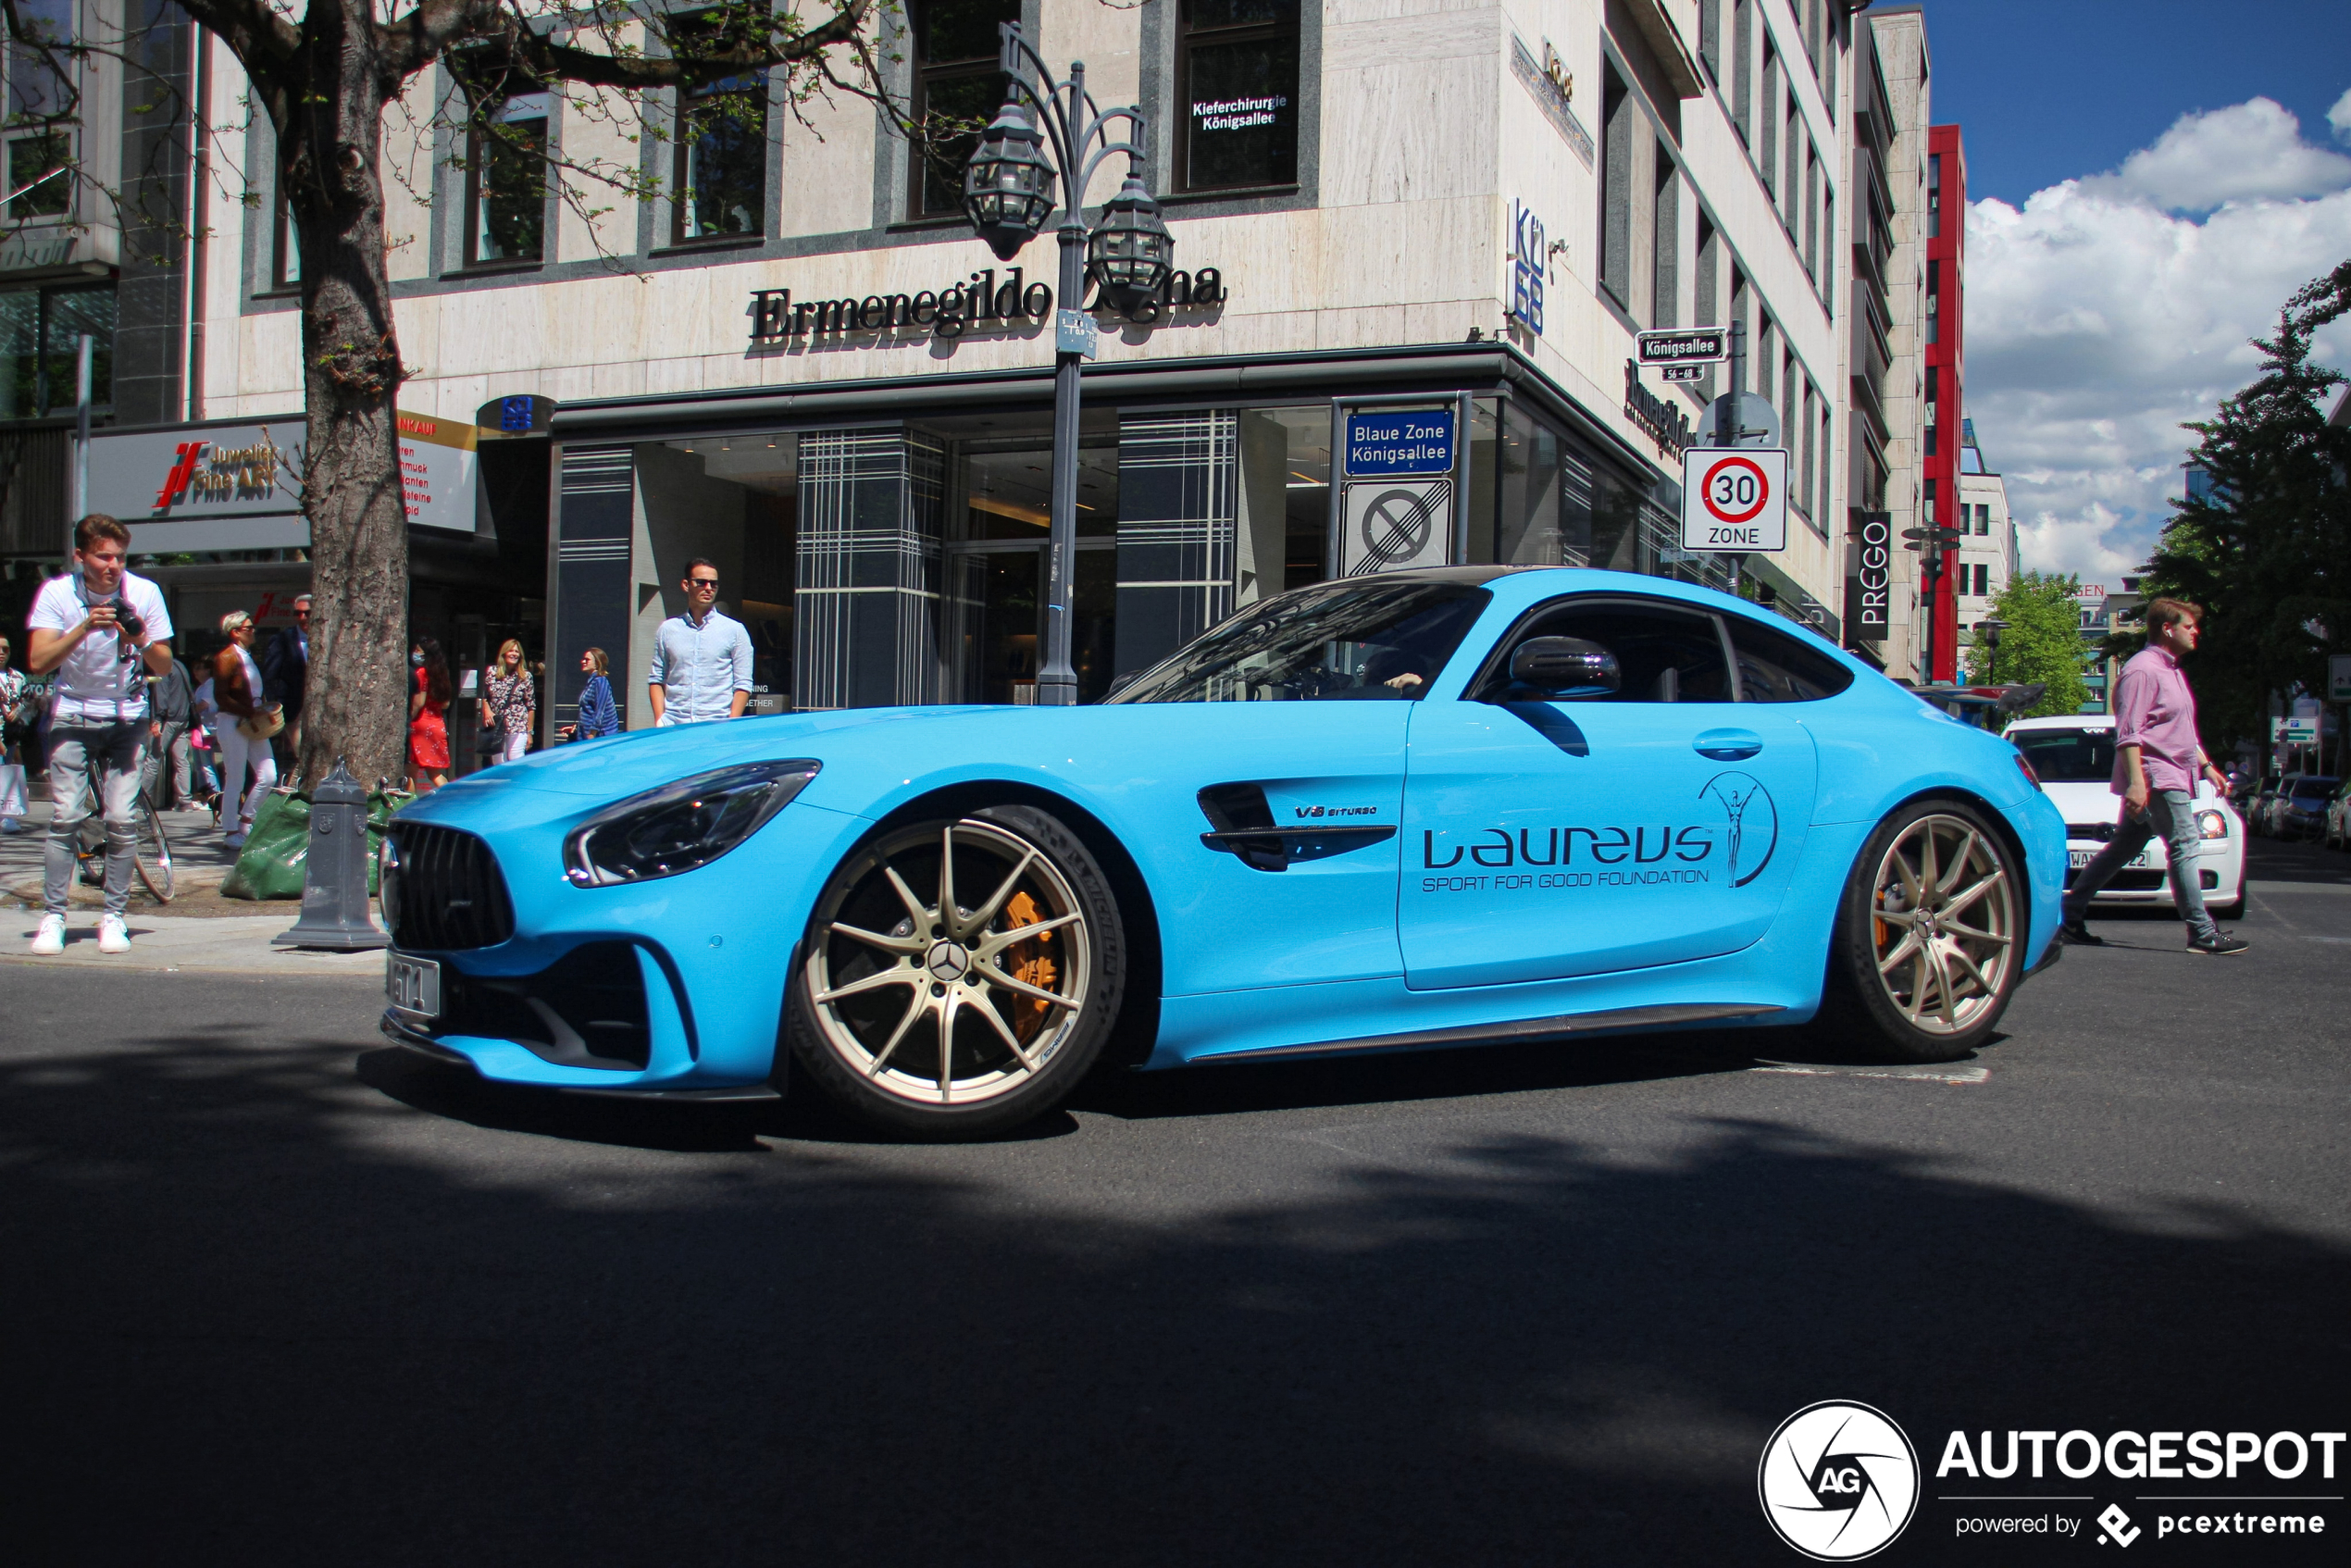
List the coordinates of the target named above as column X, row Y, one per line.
column 2318, row 787
column 1365, row 638
column 2069, row 756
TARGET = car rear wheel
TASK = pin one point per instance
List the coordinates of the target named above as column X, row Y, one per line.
column 1929, row 943
column 960, row 975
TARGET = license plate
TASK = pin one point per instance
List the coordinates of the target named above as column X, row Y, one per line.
column 2079, row 858
column 2142, row 860
column 412, row 984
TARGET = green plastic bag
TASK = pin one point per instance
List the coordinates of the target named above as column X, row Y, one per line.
column 270, row 865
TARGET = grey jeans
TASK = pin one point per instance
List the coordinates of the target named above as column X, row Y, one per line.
column 2170, row 813
column 72, row 750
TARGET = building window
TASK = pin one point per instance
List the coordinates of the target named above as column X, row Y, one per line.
column 1982, row 577
column 1933, row 302
column 1618, row 118
column 1665, row 279
column 1812, row 213
column 957, row 89
column 1739, row 314
column 721, row 180
column 505, row 168
column 1933, row 195
column 1743, row 67
column 1705, row 302
column 1709, row 37
column 1236, row 79
column 285, row 252
column 40, row 331
column 1772, row 113
column 1930, row 502
column 40, row 152
column 1932, row 429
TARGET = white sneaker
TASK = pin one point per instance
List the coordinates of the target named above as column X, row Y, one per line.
column 234, row 840
column 113, row 935
column 50, row 939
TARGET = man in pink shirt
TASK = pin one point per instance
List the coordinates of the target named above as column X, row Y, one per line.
column 2157, row 759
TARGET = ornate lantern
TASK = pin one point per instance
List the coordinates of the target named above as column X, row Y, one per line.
column 1008, row 184
column 1131, row 251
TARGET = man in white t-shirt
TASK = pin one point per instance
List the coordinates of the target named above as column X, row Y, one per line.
column 102, row 630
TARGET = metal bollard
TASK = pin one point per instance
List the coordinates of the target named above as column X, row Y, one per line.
column 334, row 872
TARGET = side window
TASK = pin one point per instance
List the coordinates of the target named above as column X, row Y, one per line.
column 1775, row 668
column 720, row 168
column 1664, row 653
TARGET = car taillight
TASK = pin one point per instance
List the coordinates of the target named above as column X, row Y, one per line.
column 2026, row 768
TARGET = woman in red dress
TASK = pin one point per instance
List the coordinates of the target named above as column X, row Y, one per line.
column 428, row 717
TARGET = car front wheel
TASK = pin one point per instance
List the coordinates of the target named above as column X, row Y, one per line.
column 960, row 975
column 1930, row 936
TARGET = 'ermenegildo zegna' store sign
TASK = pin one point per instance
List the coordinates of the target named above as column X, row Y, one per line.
column 978, row 304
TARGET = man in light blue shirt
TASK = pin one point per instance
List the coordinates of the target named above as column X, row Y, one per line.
column 702, row 659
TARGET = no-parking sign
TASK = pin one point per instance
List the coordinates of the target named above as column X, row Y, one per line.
column 1735, row 498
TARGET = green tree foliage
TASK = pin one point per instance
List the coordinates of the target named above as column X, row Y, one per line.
column 2043, row 643
column 2267, row 552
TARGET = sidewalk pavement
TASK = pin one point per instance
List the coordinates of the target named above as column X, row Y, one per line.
column 217, row 941
column 171, row 944
column 200, row 859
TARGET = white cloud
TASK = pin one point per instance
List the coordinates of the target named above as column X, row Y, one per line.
column 2251, row 151
column 2098, row 321
column 2340, row 117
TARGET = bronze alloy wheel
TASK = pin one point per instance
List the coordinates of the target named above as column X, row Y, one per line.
column 1944, row 924
column 959, row 974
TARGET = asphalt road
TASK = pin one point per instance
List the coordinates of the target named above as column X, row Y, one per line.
column 271, row 1292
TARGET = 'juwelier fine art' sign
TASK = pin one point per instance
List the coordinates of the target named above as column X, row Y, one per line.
column 978, row 303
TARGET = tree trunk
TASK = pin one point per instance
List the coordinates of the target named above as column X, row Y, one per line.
column 357, row 707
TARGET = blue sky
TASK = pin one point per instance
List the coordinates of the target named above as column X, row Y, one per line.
column 2047, row 90
column 2148, row 183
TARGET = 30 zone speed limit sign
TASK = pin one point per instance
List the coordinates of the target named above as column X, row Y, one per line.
column 1735, row 498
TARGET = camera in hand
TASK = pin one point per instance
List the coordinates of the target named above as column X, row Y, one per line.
column 131, row 626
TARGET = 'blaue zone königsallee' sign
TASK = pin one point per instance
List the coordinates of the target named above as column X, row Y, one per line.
column 1389, row 445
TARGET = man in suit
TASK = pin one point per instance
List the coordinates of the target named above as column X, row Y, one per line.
column 285, row 674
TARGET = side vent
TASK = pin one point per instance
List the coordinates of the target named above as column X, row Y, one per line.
column 1242, row 823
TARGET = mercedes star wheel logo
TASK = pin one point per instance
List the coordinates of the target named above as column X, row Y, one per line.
column 946, row 961
column 1838, row 1480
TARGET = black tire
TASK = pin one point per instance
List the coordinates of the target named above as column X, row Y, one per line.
column 872, row 1042
column 1968, row 950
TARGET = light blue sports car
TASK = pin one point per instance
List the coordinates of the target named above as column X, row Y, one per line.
column 1426, row 808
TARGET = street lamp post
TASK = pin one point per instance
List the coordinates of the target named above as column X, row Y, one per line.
column 1008, row 196
column 1989, row 630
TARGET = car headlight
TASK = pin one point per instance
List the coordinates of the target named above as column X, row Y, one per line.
column 2211, row 824
column 681, row 826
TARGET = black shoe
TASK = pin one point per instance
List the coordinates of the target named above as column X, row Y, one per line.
column 2076, row 933
column 2217, row 945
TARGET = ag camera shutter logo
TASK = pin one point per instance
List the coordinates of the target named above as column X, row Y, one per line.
column 1838, row 1481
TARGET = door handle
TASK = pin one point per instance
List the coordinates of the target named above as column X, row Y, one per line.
column 1727, row 745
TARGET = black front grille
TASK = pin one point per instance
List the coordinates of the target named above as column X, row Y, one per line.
column 2097, row 832
column 451, row 894
column 2132, row 881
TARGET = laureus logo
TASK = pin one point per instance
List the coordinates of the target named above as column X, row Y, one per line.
column 1753, row 831
column 1838, row 1480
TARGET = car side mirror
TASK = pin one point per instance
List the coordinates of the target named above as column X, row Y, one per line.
column 1566, row 667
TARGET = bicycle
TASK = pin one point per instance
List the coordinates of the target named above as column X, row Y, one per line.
column 151, row 847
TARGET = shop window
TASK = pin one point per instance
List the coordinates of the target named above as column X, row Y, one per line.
column 721, row 174
column 505, row 164
column 40, row 331
column 956, row 91
column 1236, row 79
